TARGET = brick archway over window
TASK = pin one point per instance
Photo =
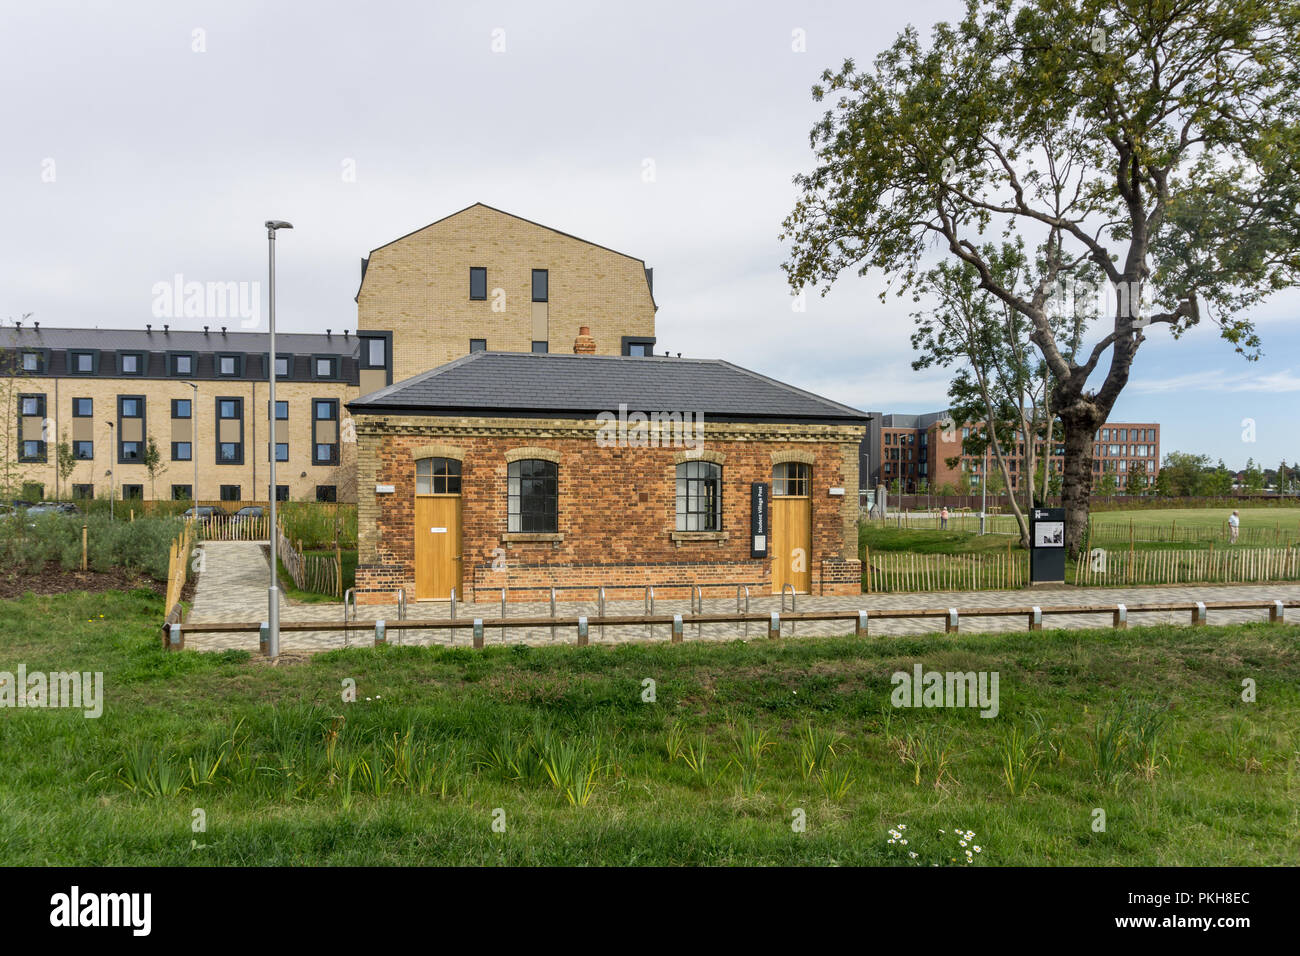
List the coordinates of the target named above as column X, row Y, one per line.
column 794, row 454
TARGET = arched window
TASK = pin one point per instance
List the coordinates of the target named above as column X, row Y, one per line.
column 533, row 492
column 437, row 476
column 791, row 479
column 699, row 496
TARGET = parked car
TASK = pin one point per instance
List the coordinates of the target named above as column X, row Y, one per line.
column 205, row 513
column 53, row 508
column 250, row 511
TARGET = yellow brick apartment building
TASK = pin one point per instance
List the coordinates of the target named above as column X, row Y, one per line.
column 477, row 280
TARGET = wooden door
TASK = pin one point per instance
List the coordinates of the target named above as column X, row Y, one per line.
column 437, row 547
column 791, row 543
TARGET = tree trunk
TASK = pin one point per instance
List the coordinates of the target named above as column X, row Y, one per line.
column 1080, row 424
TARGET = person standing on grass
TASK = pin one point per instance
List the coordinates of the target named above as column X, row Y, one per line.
column 943, row 517
column 1234, row 526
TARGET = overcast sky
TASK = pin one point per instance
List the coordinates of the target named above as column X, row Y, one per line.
column 167, row 160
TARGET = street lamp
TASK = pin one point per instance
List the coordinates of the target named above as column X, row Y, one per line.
column 273, row 592
column 194, row 447
column 112, row 454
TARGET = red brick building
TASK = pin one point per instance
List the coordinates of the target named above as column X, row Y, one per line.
column 915, row 449
column 530, row 471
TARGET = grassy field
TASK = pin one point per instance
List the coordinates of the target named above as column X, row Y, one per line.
column 740, row 741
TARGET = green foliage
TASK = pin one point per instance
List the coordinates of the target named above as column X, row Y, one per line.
column 139, row 545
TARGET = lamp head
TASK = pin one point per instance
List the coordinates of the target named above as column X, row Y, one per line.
column 274, row 224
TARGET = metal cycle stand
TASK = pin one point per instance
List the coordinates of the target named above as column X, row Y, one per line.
column 793, row 603
column 745, row 588
column 697, row 590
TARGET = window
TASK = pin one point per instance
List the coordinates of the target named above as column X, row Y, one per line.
column 82, row 363
column 699, row 496
column 182, row 451
column 325, row 449
column 130, row 363
column 228, row 365
column 326, row 367
column 541, row 348
column 182, row 492
column 376, row 353
column 228, row 408
column 478, row 282
column 129, row 407
column 437, row 476
column 130, row 451
column 33, row 362
column 228, row 453
column 181, row 408
column 83, row 450
column 478, row 345
column 282, row 366
column 230, row 493
column 638, row 346
column 83, row 407
column 132, row 492
column 281, row 492
column 792, row 478
column 532, row 492
column 326, row 493
column 541, row 285
column 32, row 405
column 182, row 364
column 282, row 451
column 31, row 450
column 281, row 410
column 83, row 492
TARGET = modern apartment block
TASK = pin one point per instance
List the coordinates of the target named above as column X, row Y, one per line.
column 201, row 397
column 914, row 450
column 477, row 280
column 485, row 280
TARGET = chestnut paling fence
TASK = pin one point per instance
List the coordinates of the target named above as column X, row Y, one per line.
column 319, row 573
column 234, row 527
column 907, row 571
column 1217, row 566
column 178, row 565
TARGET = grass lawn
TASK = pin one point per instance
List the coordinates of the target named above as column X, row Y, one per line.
column 560, row 744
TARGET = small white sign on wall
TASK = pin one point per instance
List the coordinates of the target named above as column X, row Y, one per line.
column 837, row 491
column 384, row 489
column 438, row 530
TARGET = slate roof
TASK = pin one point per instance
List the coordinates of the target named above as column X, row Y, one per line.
column 584, row 385
column 142, row 340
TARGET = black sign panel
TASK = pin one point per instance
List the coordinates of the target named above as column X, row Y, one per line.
column 758, row 531
column 1047, row 545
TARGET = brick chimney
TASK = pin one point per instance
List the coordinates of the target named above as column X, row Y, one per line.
column 584, row 344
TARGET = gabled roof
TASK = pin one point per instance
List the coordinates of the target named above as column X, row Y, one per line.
column 365, row 262
column 582, row 386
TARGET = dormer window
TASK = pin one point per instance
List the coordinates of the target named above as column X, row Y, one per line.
column 228, row 365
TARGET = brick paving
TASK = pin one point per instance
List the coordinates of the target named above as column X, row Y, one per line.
column 232, row 587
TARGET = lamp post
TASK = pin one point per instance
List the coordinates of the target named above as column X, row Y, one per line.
column 112, row 455
column 273, row 592
column 194, row 448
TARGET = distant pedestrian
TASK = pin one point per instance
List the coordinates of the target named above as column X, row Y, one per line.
column 1234, row 526
column 943, row 517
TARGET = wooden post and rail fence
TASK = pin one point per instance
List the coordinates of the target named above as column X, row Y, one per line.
column 1033, row 615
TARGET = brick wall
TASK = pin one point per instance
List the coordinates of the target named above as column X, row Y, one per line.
column 417, row 287
column 617, row 509
column 298, row 472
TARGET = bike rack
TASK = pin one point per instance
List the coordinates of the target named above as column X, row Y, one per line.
column 401, row 610
column 600, row 609
column 696, row 590
column 552, row 613
column 743, row 588
column 792, row 604
column 649, row 607
column 503, row 614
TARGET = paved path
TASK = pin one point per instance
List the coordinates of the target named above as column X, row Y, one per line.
column 232, row 587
